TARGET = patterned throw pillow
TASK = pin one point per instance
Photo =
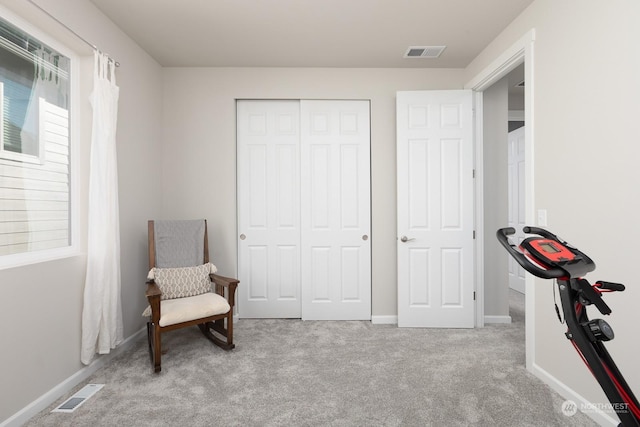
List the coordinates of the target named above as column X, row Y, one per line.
column 184, row 281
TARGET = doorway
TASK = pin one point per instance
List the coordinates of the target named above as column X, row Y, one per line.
column 516, row 169
column 504, row 190
column 519, row 53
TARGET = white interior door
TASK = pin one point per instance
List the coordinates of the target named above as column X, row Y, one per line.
column 516, row 202
column 336, row 219
column 435, row 209
column 268, row 142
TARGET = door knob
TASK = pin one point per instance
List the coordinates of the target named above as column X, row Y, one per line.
column 405, row 239
column 242, row 237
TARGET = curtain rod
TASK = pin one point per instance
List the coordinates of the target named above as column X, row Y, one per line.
column 117, row 64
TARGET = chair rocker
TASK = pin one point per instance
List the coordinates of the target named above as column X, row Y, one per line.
column 182, row 287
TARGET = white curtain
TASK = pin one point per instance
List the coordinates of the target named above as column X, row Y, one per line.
column 102, row 310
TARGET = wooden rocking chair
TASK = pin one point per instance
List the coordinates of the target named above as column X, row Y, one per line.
column 182, row 287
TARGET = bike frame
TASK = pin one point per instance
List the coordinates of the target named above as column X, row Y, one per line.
column 567, row 265
column 595, row 355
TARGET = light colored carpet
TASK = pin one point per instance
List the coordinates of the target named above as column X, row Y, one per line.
column 295, row 373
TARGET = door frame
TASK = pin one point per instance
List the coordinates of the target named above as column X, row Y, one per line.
column 519, row 52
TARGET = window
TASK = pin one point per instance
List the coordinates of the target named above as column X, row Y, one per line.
column 35, row 149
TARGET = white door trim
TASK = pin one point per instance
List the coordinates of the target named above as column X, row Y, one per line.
column 519, row 52
column 479, row 207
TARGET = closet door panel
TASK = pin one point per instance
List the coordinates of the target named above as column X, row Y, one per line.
column 268, row 140
column 335, row 210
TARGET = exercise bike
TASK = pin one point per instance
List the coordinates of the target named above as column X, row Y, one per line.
column 547, row 256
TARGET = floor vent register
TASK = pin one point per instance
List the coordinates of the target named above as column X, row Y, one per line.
column 81, row 396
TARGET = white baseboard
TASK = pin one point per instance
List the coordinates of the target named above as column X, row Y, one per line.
column 41, row 403
column 393, row 320
column 384, row 320
column 589, row 410
column 497, row 319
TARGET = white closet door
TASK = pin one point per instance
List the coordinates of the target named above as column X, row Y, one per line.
column 268, row 141
column 336, row 219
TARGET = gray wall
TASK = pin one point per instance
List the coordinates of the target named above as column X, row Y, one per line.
column 585, row 161
column 41, row 304
column 495, row 188
column 585, row 126
column 199, row 147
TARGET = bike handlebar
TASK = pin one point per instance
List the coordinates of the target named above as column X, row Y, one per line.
column 541, row 232
column 618, row 287
column 503, row 237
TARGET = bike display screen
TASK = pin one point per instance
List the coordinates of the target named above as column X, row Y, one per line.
column 548, row 247
column 547, row 251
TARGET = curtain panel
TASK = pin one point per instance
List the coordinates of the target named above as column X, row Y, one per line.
column 102, row 311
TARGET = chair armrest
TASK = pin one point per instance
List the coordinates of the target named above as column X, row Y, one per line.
column 225, row 282
column 152, row 289
column 153, row 295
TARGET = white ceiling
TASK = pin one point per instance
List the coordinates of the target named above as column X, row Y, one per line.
column 310, row 33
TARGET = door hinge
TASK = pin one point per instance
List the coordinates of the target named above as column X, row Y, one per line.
column 474, row 295
column 473, row 173
column 474, row 234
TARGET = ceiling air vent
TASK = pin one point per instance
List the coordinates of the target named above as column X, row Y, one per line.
column 424, row 51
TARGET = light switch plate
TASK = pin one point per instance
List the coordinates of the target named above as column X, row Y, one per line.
column 542, row 217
